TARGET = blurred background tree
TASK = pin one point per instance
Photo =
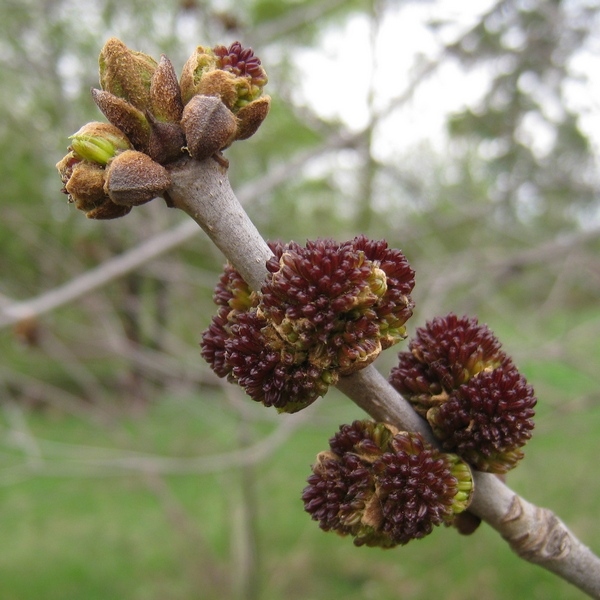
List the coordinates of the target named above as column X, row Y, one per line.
column 464, row 135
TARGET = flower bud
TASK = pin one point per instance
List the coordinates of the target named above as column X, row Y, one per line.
column 126, row 73
column 84, row 183
column 234, row 74
column 99, row 142
column 418, row 488
column 325, row 311
column 200, row 62
column 242, row 63
column 133, row 178
column 336, row 301
column 86, row 186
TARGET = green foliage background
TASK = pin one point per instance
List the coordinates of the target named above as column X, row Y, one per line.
column 111, row 427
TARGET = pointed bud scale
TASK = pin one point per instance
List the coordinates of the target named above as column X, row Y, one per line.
column 125, row 117
column 99, row 142
column 385, row 487
column 251, row 116
column 167, row 141
column 165, row 96
column 126, row 73
column 133, row 178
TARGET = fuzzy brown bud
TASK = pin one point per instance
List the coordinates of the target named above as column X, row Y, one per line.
column 208, row 126
column 233, row 74
column 133, row 178
column 126, row 73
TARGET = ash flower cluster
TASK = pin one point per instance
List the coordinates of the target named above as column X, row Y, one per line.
column 326, row 310
column 478, row 404
column 155, row 119
column 385, row 487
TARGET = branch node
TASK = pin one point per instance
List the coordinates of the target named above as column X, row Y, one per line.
column 547, row 539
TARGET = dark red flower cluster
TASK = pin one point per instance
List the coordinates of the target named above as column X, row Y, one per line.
column 241, row 62
column 470, row 391
column 385, row 487
column 326, row 310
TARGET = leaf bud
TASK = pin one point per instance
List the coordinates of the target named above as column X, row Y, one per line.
column 126, row 73
column 99, row 142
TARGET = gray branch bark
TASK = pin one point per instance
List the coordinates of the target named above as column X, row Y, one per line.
column 202, row 190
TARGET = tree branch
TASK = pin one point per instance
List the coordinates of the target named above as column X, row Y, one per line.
column 202, row 190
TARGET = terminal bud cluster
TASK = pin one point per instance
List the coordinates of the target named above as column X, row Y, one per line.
column 155, row 119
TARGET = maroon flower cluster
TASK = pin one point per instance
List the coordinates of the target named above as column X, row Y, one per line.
column 327, row 309
column 478, row 404
column 241, row 62
column 385, row 487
